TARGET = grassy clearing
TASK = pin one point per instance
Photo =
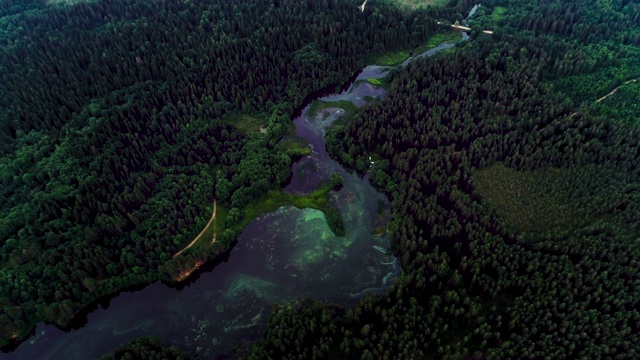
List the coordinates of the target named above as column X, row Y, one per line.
column 245, row 122
column 390, row 58
column 208, row 234
column 498, row 13
column 417, row 4
column 437, row 39
column 554, row 203
column 531, row 201
column 221, row 215
column 395, row 58
column 383, row 83
column 295, row 145
column 317, row 199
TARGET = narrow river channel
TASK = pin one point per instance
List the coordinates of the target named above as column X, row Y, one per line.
column 280, row 257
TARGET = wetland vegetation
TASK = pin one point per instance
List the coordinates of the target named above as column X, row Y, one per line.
column 511, row 164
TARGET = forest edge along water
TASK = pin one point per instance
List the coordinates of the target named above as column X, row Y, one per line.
column 245, row 298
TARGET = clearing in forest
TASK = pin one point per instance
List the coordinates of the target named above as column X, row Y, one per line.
column 498, row 13
column 522, row 198
column 394, row 58
column 551, row 201
column 416, row 4
column 246, row 123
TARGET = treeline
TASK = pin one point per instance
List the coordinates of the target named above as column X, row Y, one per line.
column 472, row 285
column 147, row 348
column 600, row 42
column 114, row 139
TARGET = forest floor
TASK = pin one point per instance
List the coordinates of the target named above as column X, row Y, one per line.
column 207, row 227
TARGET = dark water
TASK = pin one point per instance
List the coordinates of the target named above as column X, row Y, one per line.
column 281, row 257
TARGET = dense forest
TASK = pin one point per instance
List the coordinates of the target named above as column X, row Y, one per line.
column 512, row 163
column 515, row 191
column 122, row 123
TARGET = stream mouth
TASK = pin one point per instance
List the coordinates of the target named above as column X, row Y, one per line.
column 280, row 257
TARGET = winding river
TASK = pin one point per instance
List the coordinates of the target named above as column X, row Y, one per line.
column 280, row 257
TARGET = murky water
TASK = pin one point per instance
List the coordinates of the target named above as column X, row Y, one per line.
column 283, row 256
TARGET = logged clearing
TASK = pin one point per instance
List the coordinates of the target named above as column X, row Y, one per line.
column 531, row 201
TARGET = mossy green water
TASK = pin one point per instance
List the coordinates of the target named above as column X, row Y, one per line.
column 318, row 106
column 244, row 282
column 318, row 199
column 314, row 249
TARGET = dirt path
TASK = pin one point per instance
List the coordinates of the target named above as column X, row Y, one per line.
column 614, row 90
column 609, row 94
column 213, row 216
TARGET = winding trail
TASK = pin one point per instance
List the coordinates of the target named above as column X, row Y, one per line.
column 213, row 216
column 614, row 90
column 609, row 94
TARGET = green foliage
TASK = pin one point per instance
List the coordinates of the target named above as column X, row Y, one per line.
column 531, row 200
column 479, row 150
column 391, row 59
column 417, row 4
column 398, row 57
column 436, row 40
column 245, row 122
column 336, row 181
column 541, row 203
column 498, row 13
column 137, row 116
column 318, row 106
column 274, row 199
column 623, row 105
column 334, row 220
column 373, row 81
column 113, row 146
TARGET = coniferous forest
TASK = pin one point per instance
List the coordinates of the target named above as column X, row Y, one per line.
column 512, row 162
column 115, row 135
